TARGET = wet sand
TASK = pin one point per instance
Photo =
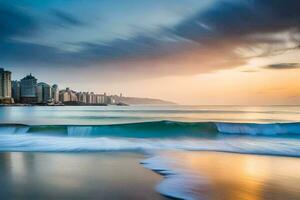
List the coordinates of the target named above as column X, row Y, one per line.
column 118, row 175
column 228, row 176
column 76, row 176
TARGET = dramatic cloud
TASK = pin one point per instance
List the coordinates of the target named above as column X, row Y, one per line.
column 283, row 66
column 221, row 36
column 245, row 22
column 15, row 22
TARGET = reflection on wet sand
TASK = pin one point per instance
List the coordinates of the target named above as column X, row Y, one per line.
column 76, row 176
column 241, row 177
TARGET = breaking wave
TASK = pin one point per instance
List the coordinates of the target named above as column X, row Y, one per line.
column 157, row 129
column 275, row 139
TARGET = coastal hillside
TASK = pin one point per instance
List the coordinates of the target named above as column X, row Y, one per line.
column 137, row 100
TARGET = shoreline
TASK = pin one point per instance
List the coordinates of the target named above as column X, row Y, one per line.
column 208, row 175
column 179, row 173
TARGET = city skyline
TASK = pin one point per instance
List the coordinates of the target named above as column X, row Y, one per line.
column 210, row 52
column 29, row 91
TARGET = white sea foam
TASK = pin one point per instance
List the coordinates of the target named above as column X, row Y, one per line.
column 79, row 130
column 259, row 129
column 178, row 182
column 254, row 145
column 13, row 129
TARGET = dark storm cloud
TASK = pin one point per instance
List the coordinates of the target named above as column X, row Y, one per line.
column 236, row 19
column 66, row 18
column 15, row 22
column 281, row 66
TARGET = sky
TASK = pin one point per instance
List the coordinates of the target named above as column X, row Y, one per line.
column 204, row 52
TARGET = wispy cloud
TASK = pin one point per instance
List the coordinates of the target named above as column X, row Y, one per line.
column 249, row 71
column 282, row 66
column 65, row 18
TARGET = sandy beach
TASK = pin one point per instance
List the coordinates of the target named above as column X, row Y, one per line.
column 119, row 175
column 76, row 176
column 227, row 176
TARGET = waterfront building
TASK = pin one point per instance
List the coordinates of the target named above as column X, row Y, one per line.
column 68, row 95
column 28, row 89
column 81, row 96
column 64, row 95
column 100, row 99
column 106, row 98
column 5, row 83
column 88, row 98
column 93, row 98
column 55, row 93
column 16, row 91
column 73, row 96
column 43, row 92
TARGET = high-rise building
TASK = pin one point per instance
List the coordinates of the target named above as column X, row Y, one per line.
column 81, row 96
column 64, row 96
column 43, row 93
column 93, row 98
column 55, row 93
column 28, row 89
column 16, row 91
column 73, row 96
column 107, row 99
column 39, row 93
column 67, row 95
column 100, row 99
column 5, row 84
column 88, row 98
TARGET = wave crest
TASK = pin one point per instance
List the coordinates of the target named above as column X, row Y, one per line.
column 158, row 129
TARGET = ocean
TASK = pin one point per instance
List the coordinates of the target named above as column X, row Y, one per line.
column 268, row 130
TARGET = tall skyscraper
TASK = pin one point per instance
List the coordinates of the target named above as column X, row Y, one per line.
column 28, row 89
column 16, row 91
column 43, row 92
column 5, row 84
column 55, row 93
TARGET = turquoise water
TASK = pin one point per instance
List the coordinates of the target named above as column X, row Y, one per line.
column 273, row 130
column 259, row 130
column 94, row 115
